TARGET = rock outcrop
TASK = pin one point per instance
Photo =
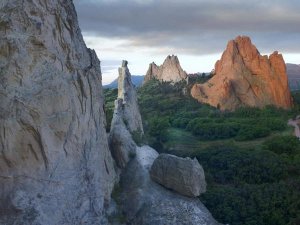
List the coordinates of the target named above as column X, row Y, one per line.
column 138, row 199
column 126, row 120
column 126, row 92
column 144, row 202
column 293, row 73
column 184, row 175
column 55, row 164
column 243, row 77
column 170, row 71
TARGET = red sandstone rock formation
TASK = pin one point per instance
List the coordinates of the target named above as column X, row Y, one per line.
column 243, row 77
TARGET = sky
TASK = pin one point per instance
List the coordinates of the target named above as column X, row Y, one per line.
column 197, row 31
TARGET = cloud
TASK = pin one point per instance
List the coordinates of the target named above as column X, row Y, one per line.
column 194, row 26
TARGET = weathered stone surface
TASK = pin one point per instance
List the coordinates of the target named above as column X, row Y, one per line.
column 121, row 143
column 140, row 200
column 126, row 120
column 293, row 73
column 184, row 175
column 170, row 71
column 145, row 202
column 126, row 91
column 243, row 77
column 55, row 164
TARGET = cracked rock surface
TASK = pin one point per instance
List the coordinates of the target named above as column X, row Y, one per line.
column 55, row 164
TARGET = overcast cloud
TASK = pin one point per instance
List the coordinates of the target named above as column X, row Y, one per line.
column 147, row 30
column 195, row 26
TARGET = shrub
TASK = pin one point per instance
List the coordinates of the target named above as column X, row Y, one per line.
column 283, row 144
column 252, row 132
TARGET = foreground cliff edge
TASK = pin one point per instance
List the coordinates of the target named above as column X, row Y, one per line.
column 243, row 77
column 55, row 163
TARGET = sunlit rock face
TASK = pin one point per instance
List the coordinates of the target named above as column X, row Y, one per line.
column 243, row 77
column 127, row 92
column 127, row 120
column 55, row 164
column 170, row 71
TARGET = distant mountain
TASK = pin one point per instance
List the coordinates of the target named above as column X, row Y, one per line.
column 293, row 72
column 137, row 80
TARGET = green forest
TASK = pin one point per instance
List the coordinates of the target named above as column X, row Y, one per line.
column 250, row 157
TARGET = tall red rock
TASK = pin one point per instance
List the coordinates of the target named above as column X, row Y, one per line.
column 243, row 77
column 170, row 71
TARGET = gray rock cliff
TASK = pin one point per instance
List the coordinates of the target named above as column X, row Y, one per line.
column 55, row 164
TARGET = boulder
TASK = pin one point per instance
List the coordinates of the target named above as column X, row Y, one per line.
column 183, row 175
column 170, row 71
column 144, row 202
column 243, row 77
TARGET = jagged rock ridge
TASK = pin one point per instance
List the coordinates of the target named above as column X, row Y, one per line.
column 55, row 164
column 170, row 71
column 243, row 77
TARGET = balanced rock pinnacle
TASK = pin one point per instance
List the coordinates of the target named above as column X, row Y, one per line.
column 126, row 120
column 55, row 164
column 243, row 77
column 170, row 71
column 126, row 92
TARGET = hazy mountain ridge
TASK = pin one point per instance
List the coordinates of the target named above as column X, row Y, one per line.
column 293, row 72
column 137, row 81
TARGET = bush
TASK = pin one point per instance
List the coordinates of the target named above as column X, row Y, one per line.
column 283, row 145
column 210, row 130
column 252, row 132
column 230, row 165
